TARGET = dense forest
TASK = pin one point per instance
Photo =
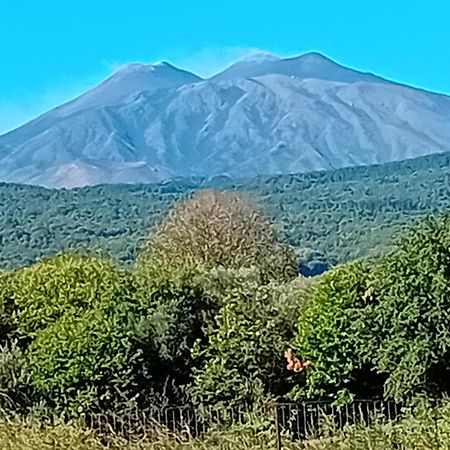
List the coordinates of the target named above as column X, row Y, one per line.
column 343, row 215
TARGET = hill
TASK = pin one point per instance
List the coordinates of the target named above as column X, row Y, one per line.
column 344, row 214
column 263, row 115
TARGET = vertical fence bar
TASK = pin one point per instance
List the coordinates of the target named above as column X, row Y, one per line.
column 278, row 428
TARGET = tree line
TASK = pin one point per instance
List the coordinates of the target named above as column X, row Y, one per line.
column 329, row 217
column 213, row 312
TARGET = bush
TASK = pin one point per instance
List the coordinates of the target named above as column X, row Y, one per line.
column 413, row 313
column 66, row 284
column 7, row 307
column 173, row 311
column 334, row 336
column 219, row 229
column 243, row 361
column 84, row 361
column 383, row 329
column 17, row 395
column 75, row 320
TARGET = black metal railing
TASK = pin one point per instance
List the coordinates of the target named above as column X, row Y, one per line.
column 290, row 420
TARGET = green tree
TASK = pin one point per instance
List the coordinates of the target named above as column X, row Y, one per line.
column 243, row 360
column 66, row 284
column 413, row 312
column 334, row 336
column 76, row 314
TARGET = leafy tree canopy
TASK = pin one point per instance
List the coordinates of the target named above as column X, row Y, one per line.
column 219, row 229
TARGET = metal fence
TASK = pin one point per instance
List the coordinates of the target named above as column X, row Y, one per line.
column 288, row 420
column 310, row 418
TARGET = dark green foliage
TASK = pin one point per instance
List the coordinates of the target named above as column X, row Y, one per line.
column 7, row 307
column 173, row 311
column 344, row 214
column 383, row 329
column 243, row 361
column 413, row 312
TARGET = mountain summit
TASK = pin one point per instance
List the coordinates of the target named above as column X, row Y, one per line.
column 262, row 115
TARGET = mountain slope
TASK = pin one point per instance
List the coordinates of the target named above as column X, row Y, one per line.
column 264, row 115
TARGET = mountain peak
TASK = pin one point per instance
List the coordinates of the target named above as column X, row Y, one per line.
column 137, row 67
column 132, row 79
column 260, row 57
column 301, row 114
column 312, row 65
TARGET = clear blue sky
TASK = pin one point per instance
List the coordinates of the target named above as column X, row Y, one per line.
column 51, row 50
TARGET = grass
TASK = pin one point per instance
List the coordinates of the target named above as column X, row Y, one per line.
column 423, row 428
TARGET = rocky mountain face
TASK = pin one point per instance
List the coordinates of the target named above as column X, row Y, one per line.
column 263, row 115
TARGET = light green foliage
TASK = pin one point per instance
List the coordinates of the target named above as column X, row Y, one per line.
column 16, row 392
column 76, row 312
column 422, row 427
column 413, row 314
column 332, row 332
column 244, row 357
column 63, row 285
column 219, row 229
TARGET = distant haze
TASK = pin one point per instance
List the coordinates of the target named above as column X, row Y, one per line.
column 262, row 115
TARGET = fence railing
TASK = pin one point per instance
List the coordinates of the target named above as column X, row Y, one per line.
column 292, row 420
column 304, row 419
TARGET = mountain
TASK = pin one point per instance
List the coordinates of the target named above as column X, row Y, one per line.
column 262, row 115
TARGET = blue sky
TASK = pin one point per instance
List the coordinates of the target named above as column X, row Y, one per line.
column 52, row 50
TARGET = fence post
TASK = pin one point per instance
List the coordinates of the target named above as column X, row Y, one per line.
column 278, row 428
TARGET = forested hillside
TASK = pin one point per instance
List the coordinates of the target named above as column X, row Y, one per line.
column 344, row 214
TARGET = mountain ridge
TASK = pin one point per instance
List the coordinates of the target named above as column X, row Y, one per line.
column 260, row 116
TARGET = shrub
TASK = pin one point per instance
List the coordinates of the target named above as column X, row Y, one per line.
column 334, row 336
column 17, row 395
column 413, row 312
column 63, row 285
column 173, row 310
column 7, row 307
column 243, row 361
column 85, row 360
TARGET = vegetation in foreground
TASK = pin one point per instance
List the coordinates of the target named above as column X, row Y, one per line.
column 425, row 428
column 203, row 318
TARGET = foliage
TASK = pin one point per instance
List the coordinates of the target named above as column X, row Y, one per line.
column 333, row 335
column 244, row 356
column 173, row 310
column 7, row 307
column 413, row 312
column 215, row 229
column 74, row 311
column 17, row 395
column 85, row 360
column 422, row 427
column 344, row 214
column 65, row 285
column 383, row 328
